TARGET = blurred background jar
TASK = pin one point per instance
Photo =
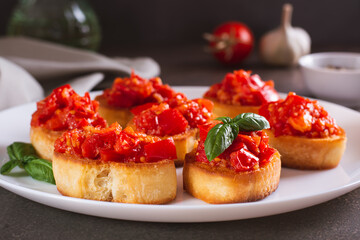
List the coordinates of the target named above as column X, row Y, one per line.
column 69, row 22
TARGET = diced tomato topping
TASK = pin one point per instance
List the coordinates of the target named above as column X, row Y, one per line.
column 172, row 122
column 243, row 160
column 251, row 142
column 173, row 117
column 209, row 105
column 115, row 144
column 111, row 156
column 205, row 128
column 248, row 151
column 164, row 149
column 242, row 88
column 64, row 109
column 298, row 116
column 195, row 113
column 133, row 91
column 125, row 143
column 266, row 155
column 137, row 110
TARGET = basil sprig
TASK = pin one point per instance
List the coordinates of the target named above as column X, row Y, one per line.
column 24, row 156
column 221, row 136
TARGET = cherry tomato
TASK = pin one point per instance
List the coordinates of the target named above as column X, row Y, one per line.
column 231, row 42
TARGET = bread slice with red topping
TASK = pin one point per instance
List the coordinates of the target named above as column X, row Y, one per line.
column 43, row 141
column 248, row 170
column 62, row 110
column 127, row 93
column 229, row 110
column 219, row 185
column 116, row 165
column 304, row 133
column 113, row 114
column 240, row 92
column 177, row 118
column 309, row 153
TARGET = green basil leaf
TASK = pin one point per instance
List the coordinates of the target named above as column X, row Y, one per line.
column 7, row 167
column 18, row 150
column 40, row 169
column 24, row 155
column 30, row 158
column 251, row 122
column 235, row 129
column 219, row 138
column 11, row 153
column 224, row 119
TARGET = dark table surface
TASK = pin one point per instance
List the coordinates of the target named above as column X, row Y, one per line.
column 187, row 65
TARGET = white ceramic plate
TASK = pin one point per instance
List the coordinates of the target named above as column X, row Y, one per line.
column 297, row 189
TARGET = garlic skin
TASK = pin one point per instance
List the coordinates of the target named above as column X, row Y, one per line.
column 284, row 45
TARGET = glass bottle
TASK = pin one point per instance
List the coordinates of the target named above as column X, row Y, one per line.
column 69, row 22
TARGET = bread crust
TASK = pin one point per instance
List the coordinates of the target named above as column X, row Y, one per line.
column 144, row 183
column 43, row 141
column 309, row 153
column 227, row 110
column 218, row 185
column 113, row 114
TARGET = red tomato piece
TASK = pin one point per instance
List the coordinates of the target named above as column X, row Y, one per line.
column 164, row 149
column 172, row 122
column 209, row 105
column 200, row 153
column 204, row 129
column 126, row 144
column 243, row 160
column 251, row 142
column 99, row 141
column 111, row 155
column 266, row 155
column 139, row 109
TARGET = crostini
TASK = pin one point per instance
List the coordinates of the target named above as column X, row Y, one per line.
column 177, row 118
column 304, row 133
column 240, row 92
column 127, row 93
column 248, row 170
column 62, row 110
column 111, row 164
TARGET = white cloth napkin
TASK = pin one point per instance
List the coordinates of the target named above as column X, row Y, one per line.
column 16, row 85
column 46, row 61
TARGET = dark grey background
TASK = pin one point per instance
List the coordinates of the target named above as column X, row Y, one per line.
column 159, row 22
column 170, row 32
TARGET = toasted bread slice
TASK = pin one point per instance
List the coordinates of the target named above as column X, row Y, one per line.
column 184, row 144
column 220, row 185
column 43, row 141
column 227, row 110
column 309, row 153
column 145, row 183
column 113, row 114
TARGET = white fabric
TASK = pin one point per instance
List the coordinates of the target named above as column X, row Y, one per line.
column 16, row 85
column 45, row 61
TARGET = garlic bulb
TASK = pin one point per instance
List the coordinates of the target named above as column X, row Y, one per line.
column 284, row 45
